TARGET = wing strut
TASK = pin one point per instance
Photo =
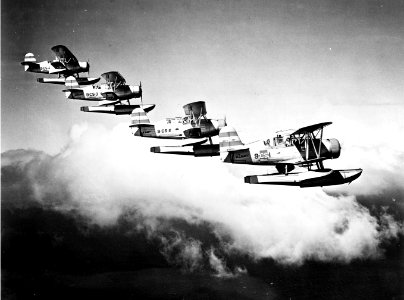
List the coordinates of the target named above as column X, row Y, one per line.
column 307, row 135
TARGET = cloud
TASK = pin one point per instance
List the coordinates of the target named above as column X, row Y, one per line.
column 103, row 174
column 220, row 268
column 182, row 251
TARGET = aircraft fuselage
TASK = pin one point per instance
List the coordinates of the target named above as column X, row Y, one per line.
column 103, row 92
column 179, row 128
column 55, row 67
column 265, row 153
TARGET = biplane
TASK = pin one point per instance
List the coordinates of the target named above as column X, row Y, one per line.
column 65, row 64
column 297, row 155
column 114, row 96
column 114, row 89
column 194, row 125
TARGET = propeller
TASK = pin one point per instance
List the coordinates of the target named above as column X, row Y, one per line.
column 141, row 93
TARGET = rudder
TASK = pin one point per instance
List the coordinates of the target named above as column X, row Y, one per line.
column 228, row 139
column 28, row 60
column 139, row 117
column 71, row 83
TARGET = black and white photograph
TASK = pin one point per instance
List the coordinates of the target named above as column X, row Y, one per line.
column 202, row 149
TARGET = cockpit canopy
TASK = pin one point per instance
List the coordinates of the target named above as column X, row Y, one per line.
column 282, row 137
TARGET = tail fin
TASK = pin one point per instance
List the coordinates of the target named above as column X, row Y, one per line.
column 28, row 59
column 71, row 83
column 228, row 139
column 138, row 118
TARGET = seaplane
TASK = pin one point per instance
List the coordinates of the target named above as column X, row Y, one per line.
column 297, row 155
column 114, row 96
column 193, row 126
column 65, row 64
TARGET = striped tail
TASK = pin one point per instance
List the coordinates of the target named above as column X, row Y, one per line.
column 229, row 140
column 71, row 83
column 29, row 59
column 138, row 118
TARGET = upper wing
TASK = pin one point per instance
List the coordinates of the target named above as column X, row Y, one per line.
column 311, row 128
column 195, row 108
column 114, row 77
column 65, row 56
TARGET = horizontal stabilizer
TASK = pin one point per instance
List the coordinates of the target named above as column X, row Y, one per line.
column 28, row 63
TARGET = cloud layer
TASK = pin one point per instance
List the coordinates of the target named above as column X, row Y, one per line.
column 104, row 174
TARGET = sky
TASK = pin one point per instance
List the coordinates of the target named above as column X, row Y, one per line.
column 264, row 65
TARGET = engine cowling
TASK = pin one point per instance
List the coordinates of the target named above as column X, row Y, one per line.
column 193, row 133
column 123, row 92
column 333, row 147
column 128, row 92
column 209, row 127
